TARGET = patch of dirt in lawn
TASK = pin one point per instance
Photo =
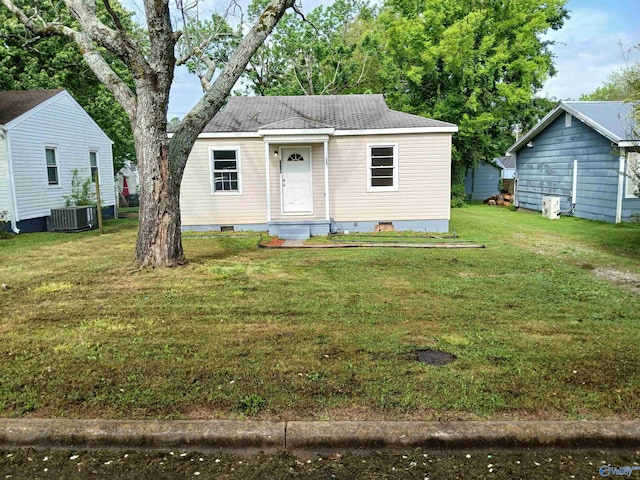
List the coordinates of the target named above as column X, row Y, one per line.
column 274, row 242
column 628, row 280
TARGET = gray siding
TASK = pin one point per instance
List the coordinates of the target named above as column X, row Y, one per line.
column 482, row 182
column 547, row 169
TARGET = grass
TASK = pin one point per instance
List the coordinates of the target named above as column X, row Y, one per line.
column 325, row 334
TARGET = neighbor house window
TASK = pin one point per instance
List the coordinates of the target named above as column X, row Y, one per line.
column 567, row 119
column 52, row 166
column 225, row 170
column 93, row 163
column 382, row 172
column 633, row 174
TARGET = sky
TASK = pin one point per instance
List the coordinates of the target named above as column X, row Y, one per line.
column 588, row 45
column 587, row 48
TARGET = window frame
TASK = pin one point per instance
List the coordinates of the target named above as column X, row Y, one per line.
column 91, row 167
column 393, row 188
column 212, row 170
column 628, row 189
column 56, row 165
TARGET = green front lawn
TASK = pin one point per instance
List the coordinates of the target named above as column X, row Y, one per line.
column 328, row 333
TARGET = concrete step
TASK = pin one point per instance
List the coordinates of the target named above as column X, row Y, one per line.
column 294, row 232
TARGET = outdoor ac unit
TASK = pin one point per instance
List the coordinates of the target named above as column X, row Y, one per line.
column 73, row 219
column 551, row 207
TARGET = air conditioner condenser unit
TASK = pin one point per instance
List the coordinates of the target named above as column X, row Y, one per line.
column 73, row 219
column 551, row 207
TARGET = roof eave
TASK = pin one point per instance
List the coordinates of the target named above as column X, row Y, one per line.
column 36, row 108
column 551, row 116
column 596, row 126
column 537, row 128
column 296, row 131
column 398, row 131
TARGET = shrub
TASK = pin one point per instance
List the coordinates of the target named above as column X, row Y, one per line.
column 4, row 220
column 82, row 191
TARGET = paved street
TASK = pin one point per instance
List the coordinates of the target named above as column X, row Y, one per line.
column 415, row 464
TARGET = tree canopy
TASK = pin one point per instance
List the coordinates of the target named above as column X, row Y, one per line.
column 33, row 62
column 332, row 51
column 621, row 85
column 476, row 64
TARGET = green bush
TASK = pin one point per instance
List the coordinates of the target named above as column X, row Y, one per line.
column 82, row 191
column 458, row 195
column 3, row 225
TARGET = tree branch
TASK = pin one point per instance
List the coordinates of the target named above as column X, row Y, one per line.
column 295, row 74
column 117, row 42
column 304, row 19
column 195, row 121
column 89, row 52
column 113, row 15
column 333, row 81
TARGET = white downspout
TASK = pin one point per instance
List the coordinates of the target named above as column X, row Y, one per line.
column 575, row 183
column 515, row 181
column 268, row 179
column 621, row 175
column 11, row 185
column 326, row 179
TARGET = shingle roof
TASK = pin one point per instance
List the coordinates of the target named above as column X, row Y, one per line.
column 342, row 112
column 15, row 103
column 507, row 162
column 613, row 120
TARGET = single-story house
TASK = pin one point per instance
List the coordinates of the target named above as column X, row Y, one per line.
column 308, row 165
column 580, row 153
column 44, row 136
column 127, row 180
column 486, row 179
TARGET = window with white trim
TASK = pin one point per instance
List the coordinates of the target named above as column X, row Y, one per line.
column 51, row 155
column 633, row 174
column 567, row 119
column 225, row 170
column 382, row 168
column 93, row 165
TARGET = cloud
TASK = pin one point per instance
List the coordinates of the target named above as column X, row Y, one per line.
column 588, row 48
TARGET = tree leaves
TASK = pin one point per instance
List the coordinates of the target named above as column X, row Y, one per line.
column 31, row 63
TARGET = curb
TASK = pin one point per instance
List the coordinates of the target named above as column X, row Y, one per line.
column 248, row 437
column 232, row 436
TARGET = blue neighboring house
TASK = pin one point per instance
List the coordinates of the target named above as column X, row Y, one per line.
column 483, row 180
column 581, row 152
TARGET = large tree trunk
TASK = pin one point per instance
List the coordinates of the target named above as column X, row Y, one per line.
column 159, row 237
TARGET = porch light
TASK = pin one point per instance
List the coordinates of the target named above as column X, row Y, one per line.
column 275, row 153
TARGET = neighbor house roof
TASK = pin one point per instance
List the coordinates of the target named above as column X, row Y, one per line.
column 613, row 120
column 340, row 112
column 506, row 162
column 15, row 103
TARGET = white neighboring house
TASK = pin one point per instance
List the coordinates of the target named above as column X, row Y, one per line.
column 127, row 179
column 44, row 135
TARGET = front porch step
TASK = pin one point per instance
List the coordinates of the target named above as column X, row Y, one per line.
column 294, row 232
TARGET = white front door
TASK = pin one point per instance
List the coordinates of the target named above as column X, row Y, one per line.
column 297, row 190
